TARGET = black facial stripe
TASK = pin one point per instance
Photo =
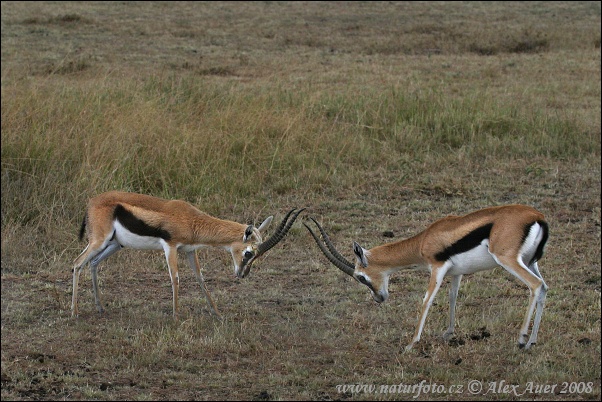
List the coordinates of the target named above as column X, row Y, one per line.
column 364, row 281
column 138, row 226
column 468, row 242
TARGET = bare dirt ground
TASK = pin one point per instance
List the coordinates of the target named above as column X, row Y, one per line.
column 297, row 328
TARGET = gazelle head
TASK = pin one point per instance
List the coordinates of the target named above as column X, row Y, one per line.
column 370, row 274
column 245, row 252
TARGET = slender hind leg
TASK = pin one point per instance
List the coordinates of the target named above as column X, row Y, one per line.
column 541, row 299
column 89, row 252
column 76, row 272
column 111, row 249
column 94, row 252
column 537, row 296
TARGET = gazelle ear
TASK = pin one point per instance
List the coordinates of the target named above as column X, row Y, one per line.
column 248, row 233
column 360, row 253
column 265, row 223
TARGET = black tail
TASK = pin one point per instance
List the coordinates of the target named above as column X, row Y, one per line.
column 82, row 229
column 542, row 243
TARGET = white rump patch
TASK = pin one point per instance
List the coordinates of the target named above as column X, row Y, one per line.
column 529, row 247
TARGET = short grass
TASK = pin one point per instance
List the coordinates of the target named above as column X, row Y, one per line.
column 378, row 117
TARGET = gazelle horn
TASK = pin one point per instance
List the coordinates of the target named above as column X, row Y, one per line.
column 330, row 251
column 280, row 232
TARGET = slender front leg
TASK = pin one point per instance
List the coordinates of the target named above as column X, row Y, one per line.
column 437, row 274
column 453, row 295
column 171, row 254
column 193, row 261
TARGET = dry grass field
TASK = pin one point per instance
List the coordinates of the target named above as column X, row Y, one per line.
column 379, row 117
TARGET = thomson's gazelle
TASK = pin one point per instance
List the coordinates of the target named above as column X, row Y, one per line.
column 116, row 219
column 511, row 236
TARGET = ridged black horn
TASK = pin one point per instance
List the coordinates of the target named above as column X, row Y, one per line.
column 330, row 246
column 281, row 231
column 330, row 252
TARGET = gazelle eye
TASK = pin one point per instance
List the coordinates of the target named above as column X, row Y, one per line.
column 366, row 281
column 248, row 254
column 363, row 280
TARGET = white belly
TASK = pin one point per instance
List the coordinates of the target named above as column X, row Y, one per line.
column 477, row 259
column 132, row 240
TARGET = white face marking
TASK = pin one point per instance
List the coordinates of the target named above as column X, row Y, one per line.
column 246, row 257
column 241, row 269
column 379, row 295
column 244, row 253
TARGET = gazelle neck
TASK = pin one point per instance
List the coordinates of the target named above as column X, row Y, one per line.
column 217, row 232
column 395, row 256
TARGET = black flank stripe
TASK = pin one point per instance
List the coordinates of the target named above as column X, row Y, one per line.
column 466, row 243
column 138, row 226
